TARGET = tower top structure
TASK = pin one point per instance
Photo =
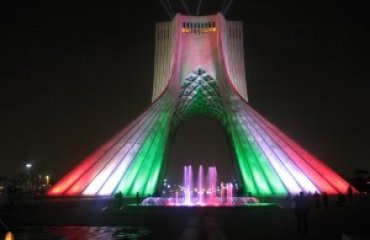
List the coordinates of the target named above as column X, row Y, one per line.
column 188, row 42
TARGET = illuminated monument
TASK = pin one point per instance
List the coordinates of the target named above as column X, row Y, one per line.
column 199, row 69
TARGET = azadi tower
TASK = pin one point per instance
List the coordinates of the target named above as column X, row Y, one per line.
column 199, row 69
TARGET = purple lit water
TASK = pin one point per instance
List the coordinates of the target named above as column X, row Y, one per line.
column 229, row 193
column 212, row 186
column 205, row 193
column 201, row 190
column 188, row 185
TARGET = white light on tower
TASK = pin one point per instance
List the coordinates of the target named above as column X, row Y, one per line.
column 28, row 165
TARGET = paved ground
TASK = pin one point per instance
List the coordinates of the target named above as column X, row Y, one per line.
column 96, row 219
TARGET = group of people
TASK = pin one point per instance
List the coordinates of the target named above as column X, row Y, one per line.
column 119, row 199
column 303, row 203
column 302, row 206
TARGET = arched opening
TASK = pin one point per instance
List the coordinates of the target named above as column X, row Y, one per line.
column 200, row 140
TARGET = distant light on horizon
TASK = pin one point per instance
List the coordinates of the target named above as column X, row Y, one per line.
column 28, row 165
column 47, row 179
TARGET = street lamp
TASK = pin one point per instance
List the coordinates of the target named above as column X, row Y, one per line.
column 29, row 177
column 47, row 179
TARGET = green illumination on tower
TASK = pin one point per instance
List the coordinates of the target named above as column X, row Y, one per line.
column 142, row 174
column 259, row 177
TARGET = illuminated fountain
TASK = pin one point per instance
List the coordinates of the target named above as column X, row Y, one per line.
column 201, row 190
column 188, row 185
column 229, row 194
column 212, row 186
column 205, row 193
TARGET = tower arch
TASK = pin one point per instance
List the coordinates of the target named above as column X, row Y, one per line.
column 199, row 69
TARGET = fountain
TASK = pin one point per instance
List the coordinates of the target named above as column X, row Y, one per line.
column 229, row 193
column 205, row 193
column 188, row 185
column 201, row 190
column 212, row 188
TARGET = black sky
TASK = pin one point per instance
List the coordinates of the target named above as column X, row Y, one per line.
column 72, row 75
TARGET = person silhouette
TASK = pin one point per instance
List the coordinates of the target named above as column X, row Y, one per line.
column 350, row 193
column 316, row 197
column 137, row 198
column 118, row 199
column 302, row 208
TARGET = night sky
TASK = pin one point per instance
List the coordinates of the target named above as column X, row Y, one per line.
column 73, row 75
